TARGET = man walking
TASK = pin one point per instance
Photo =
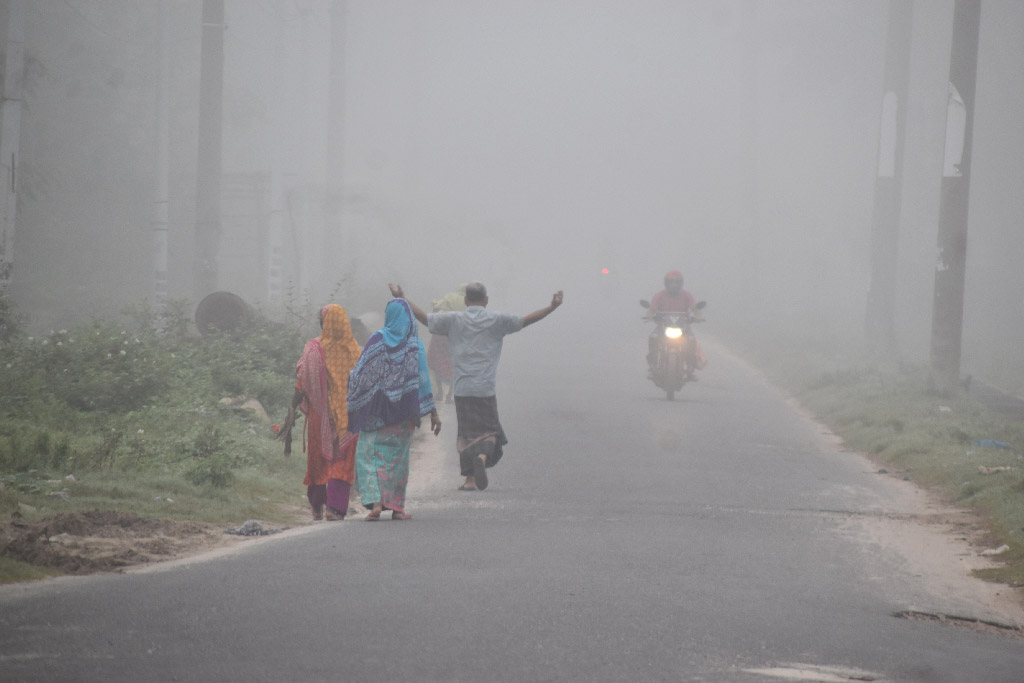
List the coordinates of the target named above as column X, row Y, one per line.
column 474, row 338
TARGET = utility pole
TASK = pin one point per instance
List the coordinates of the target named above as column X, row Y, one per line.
column 334, row 204
column 162, row 193
column 10, row 133
column 880, row 319
column 950, row 270
column 278, row 194
column 208, row 172
column 747, row 173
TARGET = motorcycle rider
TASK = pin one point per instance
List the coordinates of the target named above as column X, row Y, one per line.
column 673, row 299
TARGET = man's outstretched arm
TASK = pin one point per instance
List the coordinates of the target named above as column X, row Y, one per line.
column 531, row 318
column 396, row 291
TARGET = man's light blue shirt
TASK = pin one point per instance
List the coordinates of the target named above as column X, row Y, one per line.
column 474, row 341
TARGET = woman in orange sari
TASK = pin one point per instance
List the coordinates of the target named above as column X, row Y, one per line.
column 321, row 392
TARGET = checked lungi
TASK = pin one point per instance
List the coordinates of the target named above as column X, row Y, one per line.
column 480, row 431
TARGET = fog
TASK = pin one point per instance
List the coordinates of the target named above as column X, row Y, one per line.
column 525, row 144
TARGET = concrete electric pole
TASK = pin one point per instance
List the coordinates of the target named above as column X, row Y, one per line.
column 880, row 319
column 950, row 270
column 208, row 171
column 10, row 132
column 162, row 192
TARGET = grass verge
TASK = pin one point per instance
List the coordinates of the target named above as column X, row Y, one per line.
column 145, row 416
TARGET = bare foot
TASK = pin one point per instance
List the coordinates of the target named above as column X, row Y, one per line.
column 400, row 515
column 480, row 471
column 375, row 513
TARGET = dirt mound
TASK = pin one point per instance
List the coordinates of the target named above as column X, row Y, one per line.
column 104, row 540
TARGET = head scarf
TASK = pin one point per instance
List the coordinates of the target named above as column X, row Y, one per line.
column 323, row 373
column 390, row 383
column 341, row 352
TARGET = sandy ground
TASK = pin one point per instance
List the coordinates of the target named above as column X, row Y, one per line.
column 940, row 546
column 936, row 544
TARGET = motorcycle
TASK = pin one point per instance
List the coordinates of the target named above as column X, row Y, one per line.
column 673, row 352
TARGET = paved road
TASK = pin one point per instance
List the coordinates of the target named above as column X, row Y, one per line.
column 718, row 538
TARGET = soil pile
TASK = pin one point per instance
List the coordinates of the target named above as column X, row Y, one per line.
column 104, row 540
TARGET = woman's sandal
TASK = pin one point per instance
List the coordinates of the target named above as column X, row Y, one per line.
column 402, row 516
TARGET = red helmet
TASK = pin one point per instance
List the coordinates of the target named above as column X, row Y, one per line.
column 673, row 281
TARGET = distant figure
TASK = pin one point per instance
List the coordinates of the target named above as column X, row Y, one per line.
column 674, row 299
column 438, row 357
column 360, row 331
column 389, row 391
column 321, row 392
column 475, row 339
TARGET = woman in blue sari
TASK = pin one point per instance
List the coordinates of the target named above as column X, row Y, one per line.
column 388, row 392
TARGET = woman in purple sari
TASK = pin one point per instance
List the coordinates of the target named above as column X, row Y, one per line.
column 388, row 392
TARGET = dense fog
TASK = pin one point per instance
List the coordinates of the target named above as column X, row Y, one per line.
column 527, row 144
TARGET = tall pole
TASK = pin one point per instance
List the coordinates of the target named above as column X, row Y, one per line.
column 161, row 198
column 880, row 320
column 208, row 172
column 950, row 271
column 10, row 132
column 747, row 138
column 278, row 197
column 334, row 237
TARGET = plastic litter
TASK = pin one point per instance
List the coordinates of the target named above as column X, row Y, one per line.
column 996, row 551
column 991, row 443
column 995, row 470
column 251, row 528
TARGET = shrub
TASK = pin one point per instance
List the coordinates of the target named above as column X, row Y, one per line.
column 215, row 471
column 140, row 393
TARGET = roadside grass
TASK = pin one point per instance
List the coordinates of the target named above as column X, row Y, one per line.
column 145, row 416
column 260, row 491
column 954, row 446
column 13, row 571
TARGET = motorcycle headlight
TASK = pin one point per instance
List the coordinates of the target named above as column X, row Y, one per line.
column 673, row 332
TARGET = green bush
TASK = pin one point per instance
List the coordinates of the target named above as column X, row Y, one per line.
column 140, row 394
column 210, row 463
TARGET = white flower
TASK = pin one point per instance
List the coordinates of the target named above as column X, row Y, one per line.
column 142, row 431
column 45, row 342
column 60, row 343
column 110, row 355
column 123, row 352
column 63, row 332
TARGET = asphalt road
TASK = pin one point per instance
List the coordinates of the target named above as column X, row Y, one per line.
column 722, row 537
